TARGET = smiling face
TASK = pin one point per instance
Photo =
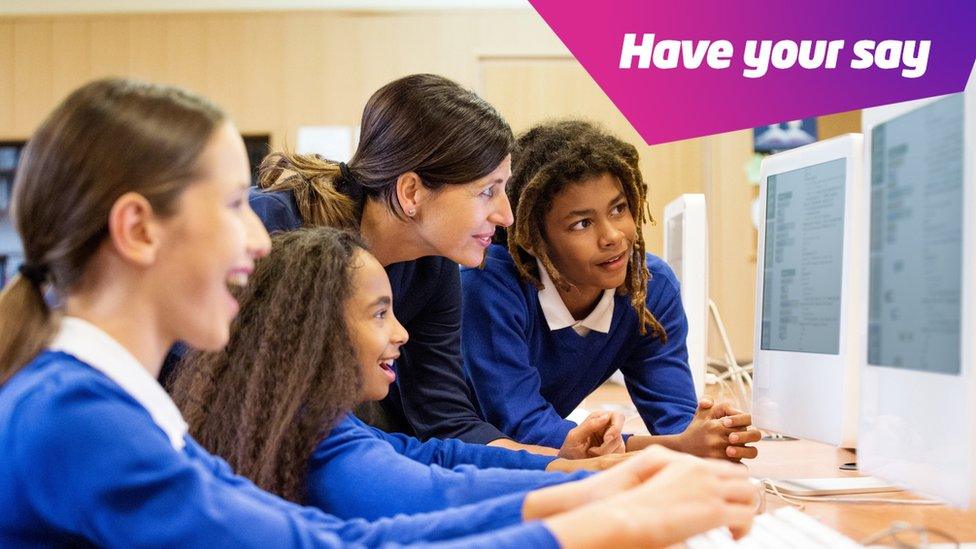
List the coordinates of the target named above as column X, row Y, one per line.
column 374, row 331
column 590, row 232
column 458, row 221
column 210, row 242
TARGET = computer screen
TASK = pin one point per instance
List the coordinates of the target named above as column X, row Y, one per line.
column 803, row 259
column 914, row 301
column 812, row 257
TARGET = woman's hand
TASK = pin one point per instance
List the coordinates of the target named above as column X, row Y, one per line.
column 599, row 434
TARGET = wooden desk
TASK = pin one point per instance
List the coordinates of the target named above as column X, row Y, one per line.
column 806, row 459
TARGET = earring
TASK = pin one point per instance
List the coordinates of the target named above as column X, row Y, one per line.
column 411, row 212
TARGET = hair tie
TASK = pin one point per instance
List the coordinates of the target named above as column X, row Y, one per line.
column 36, row 274
column 350, row 186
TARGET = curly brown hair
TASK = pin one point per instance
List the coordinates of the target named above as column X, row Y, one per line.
column 289, row 371
column 548, row 158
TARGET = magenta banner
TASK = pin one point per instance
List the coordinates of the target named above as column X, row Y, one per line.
column 680, row 69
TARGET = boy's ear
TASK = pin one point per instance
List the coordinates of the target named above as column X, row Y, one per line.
column 134, row 229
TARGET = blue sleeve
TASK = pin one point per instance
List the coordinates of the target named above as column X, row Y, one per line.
column 117, row 481
column 496, row 358
column 452, row 452
column 657, row 375
column 275, row 210
column 354, row 474
column 434, row 395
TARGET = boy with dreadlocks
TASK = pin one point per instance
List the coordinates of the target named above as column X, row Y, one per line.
column 574, row 298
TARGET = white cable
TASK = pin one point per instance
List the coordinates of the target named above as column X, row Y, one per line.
column 770, row 487
column 737, row 374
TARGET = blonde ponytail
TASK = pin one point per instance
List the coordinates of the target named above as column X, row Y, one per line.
column 313, row 180
column 26, row 325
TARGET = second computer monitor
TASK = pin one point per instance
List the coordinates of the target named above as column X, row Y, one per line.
column 810, row 255
column 686, row 251
column 919, row 392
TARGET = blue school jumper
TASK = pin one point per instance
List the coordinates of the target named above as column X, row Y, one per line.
column 359, row 471
column 95, row 454
column 528, row 378
column 430, row 397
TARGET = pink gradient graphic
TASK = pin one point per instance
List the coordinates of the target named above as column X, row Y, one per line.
column 673, row 104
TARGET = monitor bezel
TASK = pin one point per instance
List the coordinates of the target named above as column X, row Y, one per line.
column 920, row 427
column 691, row 208
column 805, row 394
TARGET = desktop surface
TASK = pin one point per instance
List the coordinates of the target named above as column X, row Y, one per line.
column 804, row 458
column 808, row 459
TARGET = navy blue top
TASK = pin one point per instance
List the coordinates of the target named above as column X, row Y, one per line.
column 528, row 378
column 430, row 397
column 85, row 464
column 359, row 471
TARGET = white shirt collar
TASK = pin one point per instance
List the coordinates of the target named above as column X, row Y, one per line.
column 91, row 345
column 559, row 317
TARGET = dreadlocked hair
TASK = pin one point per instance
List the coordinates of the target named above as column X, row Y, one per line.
column 548, row 158
column 288, row 372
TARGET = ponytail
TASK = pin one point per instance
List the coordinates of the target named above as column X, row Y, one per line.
column 422, row 123
column 72, row 172
column 318, row 185
column 26, row 325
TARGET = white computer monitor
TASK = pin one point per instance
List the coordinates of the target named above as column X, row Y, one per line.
column 686, row 251
column 808, row 288
column 918, row 401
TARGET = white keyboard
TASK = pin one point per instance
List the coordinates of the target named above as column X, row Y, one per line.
column 781, row 529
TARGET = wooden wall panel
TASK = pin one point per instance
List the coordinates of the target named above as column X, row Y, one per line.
column 185, row 51
column 146, row 57
column 731, row 239
column 71, row 50
column 274, row 72
column 110, row 52
column 833, row 125
column 7, row 70
column 260, row 78
column 33, row 83
column 271, row 71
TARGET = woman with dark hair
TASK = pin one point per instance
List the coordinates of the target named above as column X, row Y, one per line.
column 426, row 190
column 268, row 400
column 575, row 297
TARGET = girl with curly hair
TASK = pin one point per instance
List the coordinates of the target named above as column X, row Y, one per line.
column 574, row 297
column 274, row 396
